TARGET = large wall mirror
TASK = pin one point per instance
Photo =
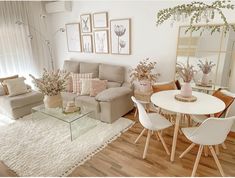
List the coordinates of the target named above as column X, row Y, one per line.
column 218, row 48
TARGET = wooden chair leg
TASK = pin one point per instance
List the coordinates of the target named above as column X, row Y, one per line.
column 140, row 135
column 206, row 151
column 217, row 149
column 224, row 146
column 197, row 160
column 163, row 143
column 158, row 139
column 216, row 161
column 147, row 144
column 187, row 150
column 136, row 111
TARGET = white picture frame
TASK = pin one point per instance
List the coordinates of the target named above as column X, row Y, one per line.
column 100, row 20
column 120, row 36
column 101, row 41
column 87, row 45
column 85, row 20
column 73, row 34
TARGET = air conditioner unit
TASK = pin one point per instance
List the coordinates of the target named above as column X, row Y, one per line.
column 58, row 6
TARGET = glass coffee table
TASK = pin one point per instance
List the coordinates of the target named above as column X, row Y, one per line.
column 79, row 122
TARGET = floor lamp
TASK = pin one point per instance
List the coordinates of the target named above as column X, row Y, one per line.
column 45, row 40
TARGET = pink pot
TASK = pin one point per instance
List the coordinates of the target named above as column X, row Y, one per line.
column 186, row 90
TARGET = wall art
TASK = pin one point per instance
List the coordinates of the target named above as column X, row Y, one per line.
column 73, row 37
column 120, row 32
column 100, row 20
column 101, row 41
column 86, row 23
column 87, row 46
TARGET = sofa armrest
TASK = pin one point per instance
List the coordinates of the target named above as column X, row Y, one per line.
column 112, row 93
column 127, row 85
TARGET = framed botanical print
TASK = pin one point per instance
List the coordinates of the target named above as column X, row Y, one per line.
column 73, row 37
column 101, row 41
column 86, row 23
column 120, row 32
column 100, row 20
column 87, row 46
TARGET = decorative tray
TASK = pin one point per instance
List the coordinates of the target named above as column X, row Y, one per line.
column 179, row 97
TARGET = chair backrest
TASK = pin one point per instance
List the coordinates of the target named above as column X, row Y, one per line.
column 213, row 131
column 164, row 86
column 143, row 116
column 227, row 97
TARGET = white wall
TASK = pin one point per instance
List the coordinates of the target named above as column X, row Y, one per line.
column 157, row 43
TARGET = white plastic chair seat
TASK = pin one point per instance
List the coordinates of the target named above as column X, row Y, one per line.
column 188, row 132
column 199, row 118
column 158, row 121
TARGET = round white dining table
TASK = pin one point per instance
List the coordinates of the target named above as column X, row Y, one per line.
column 205, row 104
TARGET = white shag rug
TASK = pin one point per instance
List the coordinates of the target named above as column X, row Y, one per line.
column 41, row 146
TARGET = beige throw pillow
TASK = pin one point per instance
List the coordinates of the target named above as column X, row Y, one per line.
column 4, row 85
column 16, row 86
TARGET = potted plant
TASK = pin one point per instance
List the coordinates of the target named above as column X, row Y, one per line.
column 206, row 68
column 186, row 72
column 51, row 85
column 144, row 74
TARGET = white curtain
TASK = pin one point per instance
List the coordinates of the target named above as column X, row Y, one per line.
column 22, row 50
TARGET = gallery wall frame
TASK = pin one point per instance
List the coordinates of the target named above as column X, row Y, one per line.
column 101, row 41
column 87, row 43
column 86, row 25
column 120, row 36
column 100, row 20
column 73, row 33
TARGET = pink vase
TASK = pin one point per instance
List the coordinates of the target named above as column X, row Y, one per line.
column 186, row 90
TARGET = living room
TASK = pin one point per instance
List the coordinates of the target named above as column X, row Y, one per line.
column 117, row 88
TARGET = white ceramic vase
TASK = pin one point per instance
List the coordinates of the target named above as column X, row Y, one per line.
column 53, row 101
column 145, row 86
column 186, row 90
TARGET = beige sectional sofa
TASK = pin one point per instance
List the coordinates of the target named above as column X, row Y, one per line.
column 110, row 104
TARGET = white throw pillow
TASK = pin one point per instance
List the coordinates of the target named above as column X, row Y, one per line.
column 16, row 86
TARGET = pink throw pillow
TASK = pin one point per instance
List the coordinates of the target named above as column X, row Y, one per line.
column 76, row 81
column 97, row 86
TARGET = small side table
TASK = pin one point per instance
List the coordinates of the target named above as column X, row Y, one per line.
column 143, row 98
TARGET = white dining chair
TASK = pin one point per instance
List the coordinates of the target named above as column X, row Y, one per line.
column 225, row 96
column 213, row 131
column 152, row 122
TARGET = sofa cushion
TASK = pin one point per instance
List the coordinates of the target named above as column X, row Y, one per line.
column 111, row 73
column 86, row 67
column 71, row 66
column 113, row 84
column 112, row 93
column 10, row 103
column 87, row 101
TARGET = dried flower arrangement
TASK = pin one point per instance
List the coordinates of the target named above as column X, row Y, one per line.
column 186, row 72
column 143, row 71
column 51, row 83
column 206, row 67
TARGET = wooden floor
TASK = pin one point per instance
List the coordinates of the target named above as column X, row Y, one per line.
column 124, row 158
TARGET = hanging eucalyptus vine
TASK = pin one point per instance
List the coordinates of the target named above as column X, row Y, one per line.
column 198, row 11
